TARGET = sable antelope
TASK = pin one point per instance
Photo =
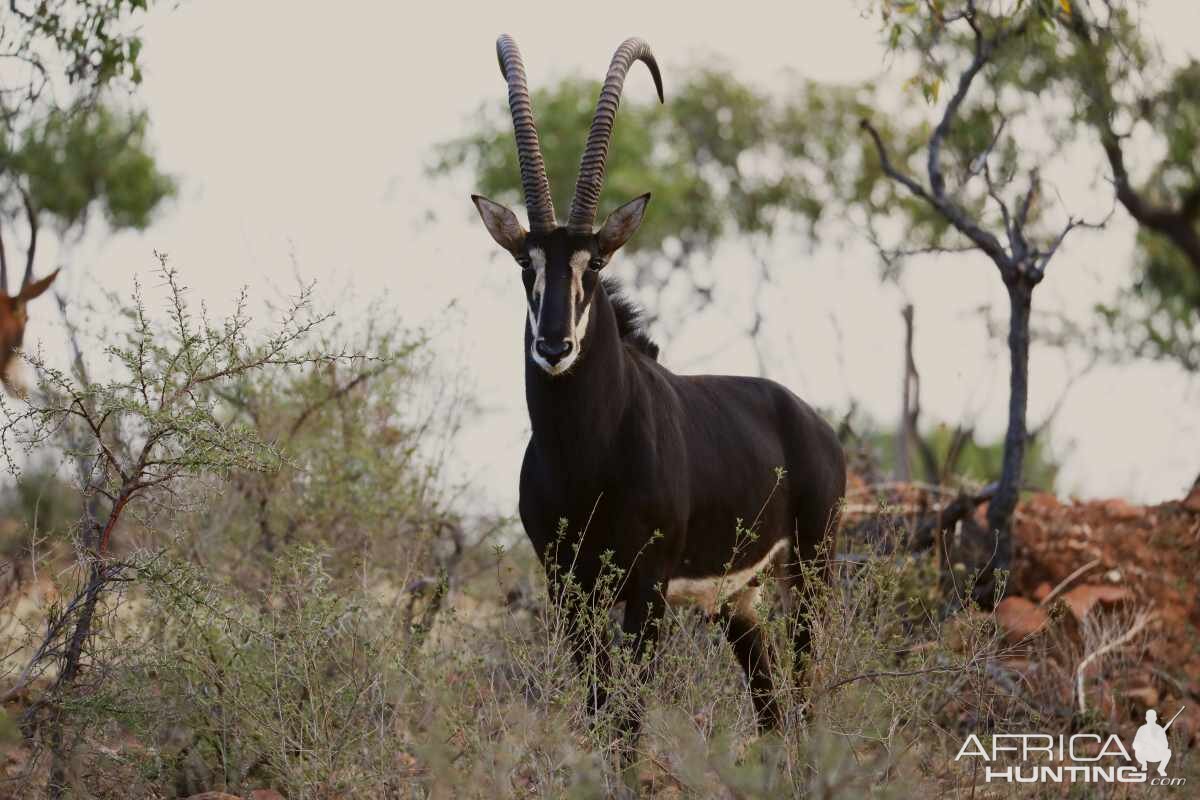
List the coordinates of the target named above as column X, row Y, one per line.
column 652, row 468
column 13, row 314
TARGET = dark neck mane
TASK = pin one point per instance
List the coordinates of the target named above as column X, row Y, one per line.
column 631, row 319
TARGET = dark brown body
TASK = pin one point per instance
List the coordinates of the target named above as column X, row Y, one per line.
column 663, row 471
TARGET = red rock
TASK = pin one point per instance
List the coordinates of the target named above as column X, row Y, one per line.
column 1174, row 614
column 265, row 794
column 213, row 796
column 1192, row 501
column 1017, row 664
column 1084, row 598
column 1119, row 509
column 1042, row 591
column 1144, row 696
column 1042, row 503
column 1019, row 618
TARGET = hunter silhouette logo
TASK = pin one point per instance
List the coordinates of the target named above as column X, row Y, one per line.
column 1150, row 743
column 1082, row 757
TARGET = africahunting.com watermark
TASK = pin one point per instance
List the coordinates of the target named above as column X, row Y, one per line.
column 1079, row 758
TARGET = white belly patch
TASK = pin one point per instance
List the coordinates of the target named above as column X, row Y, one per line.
column 710, row 594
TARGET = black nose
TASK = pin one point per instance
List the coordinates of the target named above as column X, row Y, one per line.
column 553, row 352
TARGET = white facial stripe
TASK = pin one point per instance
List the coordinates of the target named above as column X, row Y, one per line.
column 581, row 328
column 710, row 593
column 579, row 262
column 537, row 258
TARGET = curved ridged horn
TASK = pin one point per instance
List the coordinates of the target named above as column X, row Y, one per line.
column 595, row 155
column 529, row 151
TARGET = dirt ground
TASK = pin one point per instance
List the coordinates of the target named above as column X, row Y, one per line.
column 1084, row 573
column 1109, row 557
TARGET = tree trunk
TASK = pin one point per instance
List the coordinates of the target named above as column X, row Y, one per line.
column 72, row 659
column 906, row 431
column 94, row 539
column 1000, row 510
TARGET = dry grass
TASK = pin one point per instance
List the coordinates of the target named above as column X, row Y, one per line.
column 325, row 686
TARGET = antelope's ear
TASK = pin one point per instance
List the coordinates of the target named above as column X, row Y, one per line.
column 501, row 224
column 38, row 287
column 621, row 224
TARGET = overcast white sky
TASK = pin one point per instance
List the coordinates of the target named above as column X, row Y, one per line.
column 299, row 133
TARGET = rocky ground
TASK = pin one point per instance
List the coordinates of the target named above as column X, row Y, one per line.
column 1111, row 567
column 1102, row 613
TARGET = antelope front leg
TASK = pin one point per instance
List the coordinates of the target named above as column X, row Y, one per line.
column 586, row 628
column 589, row 646
column 644, row 611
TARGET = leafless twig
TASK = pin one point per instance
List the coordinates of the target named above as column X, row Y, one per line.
column 1143, row 619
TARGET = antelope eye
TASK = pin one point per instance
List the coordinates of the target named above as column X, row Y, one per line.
column 524, row 262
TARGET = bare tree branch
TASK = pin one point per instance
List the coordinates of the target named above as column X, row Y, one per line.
column 1139, row 622
column 981, row 238
column 1178, row 225
column 980, row 56
column 3, row 262
column 31, row 213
